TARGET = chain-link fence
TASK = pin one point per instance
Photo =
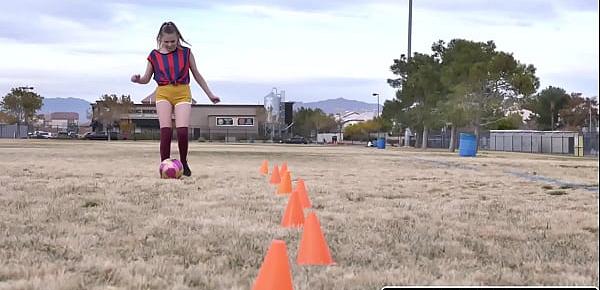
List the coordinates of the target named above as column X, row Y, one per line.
column 529, row 143
column 566, row 143
column 590, row 144
column 204, row 134
column 13, row 131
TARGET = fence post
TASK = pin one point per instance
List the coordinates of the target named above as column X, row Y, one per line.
column 512, row 143
column 521, row 143
column 551, row 147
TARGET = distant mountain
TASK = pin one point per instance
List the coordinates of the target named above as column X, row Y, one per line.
column 330, row 106
column 339, row 105
column 76, row 105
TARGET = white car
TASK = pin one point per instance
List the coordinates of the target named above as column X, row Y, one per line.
column 41, row 135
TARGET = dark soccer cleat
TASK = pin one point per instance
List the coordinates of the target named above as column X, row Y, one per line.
column 186, row 170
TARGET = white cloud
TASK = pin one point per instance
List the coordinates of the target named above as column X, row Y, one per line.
column 244, row 47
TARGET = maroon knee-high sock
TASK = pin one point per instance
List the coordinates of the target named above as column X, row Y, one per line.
column 165, row 142
column 182, row 142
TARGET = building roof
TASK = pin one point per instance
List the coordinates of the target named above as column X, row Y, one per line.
column 204, row 105
column 64, row 116
column 532, row 131
column 356, row 116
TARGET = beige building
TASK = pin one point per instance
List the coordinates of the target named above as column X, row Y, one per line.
column 62, row 120
column 58, row 122
column 208, row 122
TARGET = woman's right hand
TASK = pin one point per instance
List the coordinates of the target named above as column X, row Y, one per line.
column 214, row 99
column 135, row 78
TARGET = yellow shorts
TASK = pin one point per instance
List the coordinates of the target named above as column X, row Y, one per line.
column 179, row 94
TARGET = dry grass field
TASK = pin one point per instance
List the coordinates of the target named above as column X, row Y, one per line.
column 95, row 215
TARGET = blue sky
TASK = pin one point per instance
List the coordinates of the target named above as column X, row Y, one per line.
column 314, row 50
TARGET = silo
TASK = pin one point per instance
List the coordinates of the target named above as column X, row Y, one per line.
column 272, row 107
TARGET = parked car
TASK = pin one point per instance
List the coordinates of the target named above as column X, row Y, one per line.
column 66, row 135
column 40, row 135
column 101, row 136
column 296, row 140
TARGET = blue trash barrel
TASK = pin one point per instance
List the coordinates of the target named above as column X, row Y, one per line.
column 381, row 143
column 467, row 147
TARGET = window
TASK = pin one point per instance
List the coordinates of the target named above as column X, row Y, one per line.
column 224, row 121
column 245, row 121
column 235, row 121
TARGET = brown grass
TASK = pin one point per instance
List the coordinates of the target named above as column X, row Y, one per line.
column 95, row 215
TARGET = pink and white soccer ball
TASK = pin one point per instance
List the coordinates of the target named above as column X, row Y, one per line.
column 170, row 168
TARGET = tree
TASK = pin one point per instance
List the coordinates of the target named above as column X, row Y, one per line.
column 392, row 116
column 89, row 114
column 7, row 118
column 420, row 89
column 546, row 106
column 488, row 81
column 302, row 122
column 394, row 111
column 323, row 122
column 355, row 132
column 579, row 112
column 455, row 114
column 21, row 104
column 361, row 131
column 307, row 121
column 110, row 110
column 512, row 121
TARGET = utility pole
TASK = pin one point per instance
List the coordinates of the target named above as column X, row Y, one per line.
column 409, row 27
column 377, row 118
column 552, row 116
column 590, row 112
column 407, row 131
column 276, row 119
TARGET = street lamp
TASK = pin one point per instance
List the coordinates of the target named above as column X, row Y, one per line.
column 376, row 94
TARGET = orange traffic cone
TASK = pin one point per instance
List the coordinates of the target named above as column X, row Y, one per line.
column 275, row 179
column 293, row 217
column 264, row 168
column 313, row 248
column 283, row 168
column 274, row 273
column 301, row 188
column 285, row 186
